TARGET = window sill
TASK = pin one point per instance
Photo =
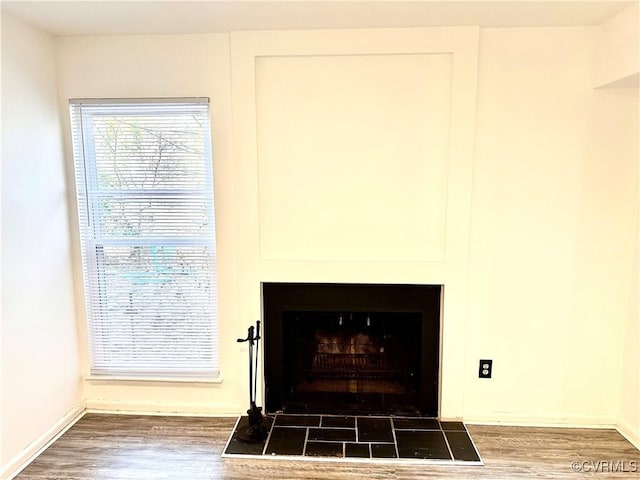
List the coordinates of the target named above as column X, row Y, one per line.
column 142, row 379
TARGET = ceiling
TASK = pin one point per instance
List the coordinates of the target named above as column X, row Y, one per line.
column 167, row 17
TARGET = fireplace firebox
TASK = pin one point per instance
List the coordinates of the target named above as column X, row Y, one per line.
column 345, row 348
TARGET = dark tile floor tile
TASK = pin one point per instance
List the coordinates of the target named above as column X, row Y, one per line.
column 360, row 450
column 332, row 434
column 453, row 426
column 422, row 444
column 238, row 447
column 297, row 421
column 374, row 429
column 416, row 424
column 383, row 450
column 338, row 422
column 461, row 447
column 286, row 441
column 324, row 449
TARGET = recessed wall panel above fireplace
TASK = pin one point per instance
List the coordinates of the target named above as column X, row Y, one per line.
column 345, row 348
column 336, row 136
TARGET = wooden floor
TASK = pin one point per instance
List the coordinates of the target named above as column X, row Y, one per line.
column 111, row 447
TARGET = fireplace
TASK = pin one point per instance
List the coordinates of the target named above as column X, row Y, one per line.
column 351, row 348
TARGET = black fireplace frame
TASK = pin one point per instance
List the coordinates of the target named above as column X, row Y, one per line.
column 424, row 299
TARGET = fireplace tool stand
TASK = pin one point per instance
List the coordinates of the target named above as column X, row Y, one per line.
column 256, row 431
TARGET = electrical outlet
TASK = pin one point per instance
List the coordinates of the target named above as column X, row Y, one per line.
column 485, row 368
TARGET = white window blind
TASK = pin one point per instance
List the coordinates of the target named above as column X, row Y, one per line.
column 145, row 202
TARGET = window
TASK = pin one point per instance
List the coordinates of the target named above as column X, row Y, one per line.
column 145, row 202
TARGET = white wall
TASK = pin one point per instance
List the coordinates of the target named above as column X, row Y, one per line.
column 629, row 415
column 618, row 49
column 553, row 217
column 552, row 210
column 39, row 365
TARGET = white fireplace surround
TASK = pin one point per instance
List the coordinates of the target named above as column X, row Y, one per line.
column 383, row 202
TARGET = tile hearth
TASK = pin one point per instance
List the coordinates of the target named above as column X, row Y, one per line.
column 359, row 438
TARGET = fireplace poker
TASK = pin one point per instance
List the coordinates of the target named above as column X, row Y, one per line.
column 255, row 383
